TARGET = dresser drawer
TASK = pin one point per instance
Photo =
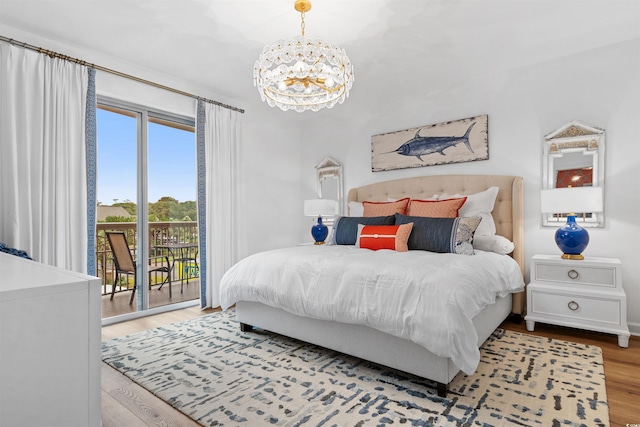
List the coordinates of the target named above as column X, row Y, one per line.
column 593, row 309
column 575, row 274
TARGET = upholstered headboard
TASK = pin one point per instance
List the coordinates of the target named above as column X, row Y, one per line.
column 507, row 212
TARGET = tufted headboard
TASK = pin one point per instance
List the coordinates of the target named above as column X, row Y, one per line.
column 507, row 212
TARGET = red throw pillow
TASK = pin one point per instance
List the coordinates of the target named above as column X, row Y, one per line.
column 376, row 237
column 385, row 208
column 448, row 208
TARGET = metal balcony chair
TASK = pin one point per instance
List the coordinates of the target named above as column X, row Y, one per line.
column 125, row 263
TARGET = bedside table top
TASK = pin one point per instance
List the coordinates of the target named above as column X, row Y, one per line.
column 586, row 260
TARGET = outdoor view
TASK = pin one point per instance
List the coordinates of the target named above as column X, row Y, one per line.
column 171, row 202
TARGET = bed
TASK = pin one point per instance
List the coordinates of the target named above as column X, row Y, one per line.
column 384, row 345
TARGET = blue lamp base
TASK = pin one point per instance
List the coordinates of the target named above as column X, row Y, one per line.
column 572, row 239
column 319, row 232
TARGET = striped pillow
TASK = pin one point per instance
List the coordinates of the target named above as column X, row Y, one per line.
column 385, row 208
column 448, row 208
column 345, row 229
column 453, row 235
column 377, row 237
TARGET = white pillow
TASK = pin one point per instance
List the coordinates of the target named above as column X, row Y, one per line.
column 496, row 243
column 356, row 209
column 479, row 204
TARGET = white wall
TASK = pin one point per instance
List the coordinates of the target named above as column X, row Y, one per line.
column 600, row 87
column 272, row 167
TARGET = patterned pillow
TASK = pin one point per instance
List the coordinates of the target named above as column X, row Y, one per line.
column 377, row 237
column 453, row 235
column 385, row 208
column 346, row 228
column 448, row 208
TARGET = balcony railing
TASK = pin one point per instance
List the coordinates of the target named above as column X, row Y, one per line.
column 160, row 233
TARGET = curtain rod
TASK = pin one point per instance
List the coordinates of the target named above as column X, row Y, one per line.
column 117, row 73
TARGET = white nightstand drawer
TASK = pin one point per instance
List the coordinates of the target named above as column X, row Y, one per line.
column 575, row 274
column 591, row 309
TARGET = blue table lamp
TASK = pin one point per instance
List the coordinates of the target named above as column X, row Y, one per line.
column 571, row 238
column 320, row 207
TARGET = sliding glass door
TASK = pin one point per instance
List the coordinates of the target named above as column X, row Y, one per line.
column 146, row 193
column 172, row 216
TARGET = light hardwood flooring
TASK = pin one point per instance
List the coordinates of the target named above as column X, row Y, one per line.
column 124, row 403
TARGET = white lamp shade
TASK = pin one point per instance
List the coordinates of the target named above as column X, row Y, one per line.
column 571, row 200
column 320, row 207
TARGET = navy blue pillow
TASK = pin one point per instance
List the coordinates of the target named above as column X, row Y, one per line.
column 346, row 229
column 443, row 235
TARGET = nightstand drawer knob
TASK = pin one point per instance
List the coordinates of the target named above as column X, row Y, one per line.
column 573, row 274
column 573, row 306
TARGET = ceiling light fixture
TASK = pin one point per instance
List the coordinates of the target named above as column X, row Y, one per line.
column 300, row 74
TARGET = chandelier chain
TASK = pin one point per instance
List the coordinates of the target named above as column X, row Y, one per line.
column 302, row 22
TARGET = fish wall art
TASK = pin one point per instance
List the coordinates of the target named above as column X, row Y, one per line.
column 458, row 141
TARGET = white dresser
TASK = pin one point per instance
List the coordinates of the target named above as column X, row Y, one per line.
column 50, row 345
column 585, row 294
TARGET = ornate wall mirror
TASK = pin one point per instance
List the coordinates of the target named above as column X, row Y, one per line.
column 574, row 157
column 329, row 178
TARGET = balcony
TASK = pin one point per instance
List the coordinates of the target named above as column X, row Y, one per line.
column 184, row 261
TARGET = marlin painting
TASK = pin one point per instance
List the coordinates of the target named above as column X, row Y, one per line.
column 409, row 149
column 422, row 145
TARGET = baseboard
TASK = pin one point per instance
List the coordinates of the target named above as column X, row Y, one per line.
column 149, row 312
column 634, row 328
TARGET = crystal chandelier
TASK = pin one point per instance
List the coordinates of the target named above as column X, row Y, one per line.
column 300, row 74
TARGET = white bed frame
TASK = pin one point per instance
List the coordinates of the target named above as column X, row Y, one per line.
column 373, row 345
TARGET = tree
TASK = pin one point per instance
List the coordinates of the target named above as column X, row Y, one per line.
column 166, row 208
column 163, row 208
column 188, row 209
column 115, row 218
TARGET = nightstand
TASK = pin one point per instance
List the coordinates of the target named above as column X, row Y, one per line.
column 585, row 294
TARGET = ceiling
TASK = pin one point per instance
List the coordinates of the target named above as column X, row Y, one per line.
column 396, row 46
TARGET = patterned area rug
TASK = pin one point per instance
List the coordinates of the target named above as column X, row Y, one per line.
column 219, row 376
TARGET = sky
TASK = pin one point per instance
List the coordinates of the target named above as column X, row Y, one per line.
column 171, row 160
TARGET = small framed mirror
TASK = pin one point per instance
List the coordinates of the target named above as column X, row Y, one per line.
column 574, row 157
column 330, row 181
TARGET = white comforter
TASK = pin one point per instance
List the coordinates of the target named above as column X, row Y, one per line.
column 425, row 297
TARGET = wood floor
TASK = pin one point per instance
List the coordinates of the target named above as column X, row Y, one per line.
column 157, row 298
column 124, row 403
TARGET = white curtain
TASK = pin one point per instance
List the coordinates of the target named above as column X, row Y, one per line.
column 220, row 194
column 43, row 194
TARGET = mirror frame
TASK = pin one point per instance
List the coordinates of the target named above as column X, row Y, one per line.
column 574, row 137
column 331, row 168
